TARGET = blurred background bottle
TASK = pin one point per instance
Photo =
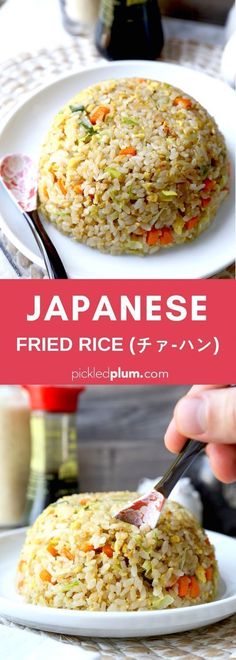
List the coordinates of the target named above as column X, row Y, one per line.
column 14, row 454
column 218, row 499
column 54, row 466
column 79, row 16
column 129, row 29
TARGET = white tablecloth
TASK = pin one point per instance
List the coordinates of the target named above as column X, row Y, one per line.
column 19, row 644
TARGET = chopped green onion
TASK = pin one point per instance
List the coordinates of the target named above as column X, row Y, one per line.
column 169, row 193
column 130, row 121
column 70, row 585
column 203, row 170
column 115, row 174
column 86, row 123
column 132, row 244
column 160, row 603
column 77, row 108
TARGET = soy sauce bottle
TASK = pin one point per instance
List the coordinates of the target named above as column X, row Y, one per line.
column 129, row 29
column 54, row 468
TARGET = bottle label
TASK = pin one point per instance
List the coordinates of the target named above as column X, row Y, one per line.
column 51, row 452
column 107, row 11
column 129, row 3
column 36, row 481
column 54, row 468
column 108, row 8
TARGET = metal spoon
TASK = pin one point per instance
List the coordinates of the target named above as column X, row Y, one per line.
column 146, row 510
column 19, row 177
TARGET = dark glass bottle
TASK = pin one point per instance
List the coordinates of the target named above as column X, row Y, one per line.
column 54, row 469
column 218, row 499
column 129, row 29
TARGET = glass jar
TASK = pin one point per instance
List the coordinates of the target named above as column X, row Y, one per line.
column 14, row 454
column 79, row 16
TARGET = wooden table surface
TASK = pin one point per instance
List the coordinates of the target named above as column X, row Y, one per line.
column 212, row 11
column 120, row 430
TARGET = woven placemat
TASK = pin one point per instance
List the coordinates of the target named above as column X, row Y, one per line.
column 29, row 71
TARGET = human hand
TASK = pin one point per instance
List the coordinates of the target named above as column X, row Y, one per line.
column 207, row 413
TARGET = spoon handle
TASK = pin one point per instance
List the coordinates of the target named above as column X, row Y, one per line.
column 190, row 450
column 53, row 263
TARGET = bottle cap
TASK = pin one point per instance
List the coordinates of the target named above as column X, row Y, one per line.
column 54, row 398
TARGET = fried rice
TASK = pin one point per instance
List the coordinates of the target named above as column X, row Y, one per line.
column 77, row 555
column 132, row 166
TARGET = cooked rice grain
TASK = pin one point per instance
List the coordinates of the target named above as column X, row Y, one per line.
column 78, row 556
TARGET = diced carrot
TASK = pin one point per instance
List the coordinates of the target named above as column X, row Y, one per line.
column 78, row 189
column 163, row 236
column 181, row 100
column 108, row 550
column 209, row 573
column 129, row 151
column 192, row 222
column 205, row 202
column 62, row 186
column 166, row 236
column 166, row 127
column 209, row 184
column 194, row 589
column 183, row 585
column 86, row 547
column 83, row 501
column 53, row 551
column 45, row 192
column 153, row 236
column 21, row 564
column 20, row 584
column 66, row 553
column 99, row 114
column 77, row 186
column 45, row 575
column 207, row 541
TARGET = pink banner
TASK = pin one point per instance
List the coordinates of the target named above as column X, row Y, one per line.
column 119, row 332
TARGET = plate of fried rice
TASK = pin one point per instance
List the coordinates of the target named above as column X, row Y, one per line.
column 134, row 171
column 79, row 570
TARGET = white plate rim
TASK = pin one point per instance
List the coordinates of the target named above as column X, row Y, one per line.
column 26, row 98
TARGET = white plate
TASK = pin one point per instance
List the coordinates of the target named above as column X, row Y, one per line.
column 115, row 624
column 25, row 130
